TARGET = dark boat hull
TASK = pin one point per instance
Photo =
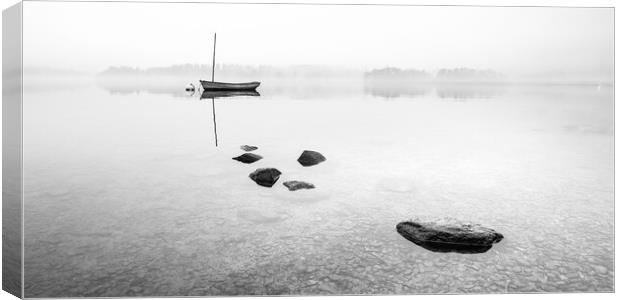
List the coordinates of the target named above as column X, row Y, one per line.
column 222, row 93
column 226, row 86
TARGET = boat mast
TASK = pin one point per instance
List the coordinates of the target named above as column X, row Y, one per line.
column 213, row 64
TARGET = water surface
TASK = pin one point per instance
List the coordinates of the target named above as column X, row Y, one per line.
column 126, row 193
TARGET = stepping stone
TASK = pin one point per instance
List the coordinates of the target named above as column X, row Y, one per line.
column 449, row 235
column 294, row 185
column 248, row 158
column 248, row 148
column 310, row 158
column 265, row 176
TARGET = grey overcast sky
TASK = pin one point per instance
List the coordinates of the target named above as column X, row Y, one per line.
column 93, row 36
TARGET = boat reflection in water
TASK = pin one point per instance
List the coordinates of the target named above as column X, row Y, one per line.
column 223, row 94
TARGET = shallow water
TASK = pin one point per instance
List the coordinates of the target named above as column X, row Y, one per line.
column 126, row 193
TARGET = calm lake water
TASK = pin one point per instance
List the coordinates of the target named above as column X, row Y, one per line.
column 126, row 193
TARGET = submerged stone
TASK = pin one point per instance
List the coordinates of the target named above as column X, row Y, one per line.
column 248, row 148
column 262, row 217
column 449, row 235
column 265, row 176
column 310, row 158
column 294, row 185
column 248, row 158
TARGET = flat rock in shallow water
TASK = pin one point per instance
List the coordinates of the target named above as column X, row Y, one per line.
column 265, row 176
column 294, row 185
column 310, row 158
column 248, row 148
column 248, row 158
column 448, row 235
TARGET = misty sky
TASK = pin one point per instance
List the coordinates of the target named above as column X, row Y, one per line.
column 93, row 36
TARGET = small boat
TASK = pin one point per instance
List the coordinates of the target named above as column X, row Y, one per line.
column 227, row 86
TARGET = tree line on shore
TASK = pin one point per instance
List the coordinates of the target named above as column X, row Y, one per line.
column 306, row 71
column 451, row 75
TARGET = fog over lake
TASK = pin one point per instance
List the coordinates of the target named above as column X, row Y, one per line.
column 575, row 42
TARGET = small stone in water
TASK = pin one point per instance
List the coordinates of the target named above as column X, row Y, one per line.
column 248, row 148
column 248, row 158
column 294, row 185
column 310, row 158
column 265, row 176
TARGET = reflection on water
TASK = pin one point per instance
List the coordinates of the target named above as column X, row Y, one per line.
column 470, row 91
column 319, row 89
column 126, row 195
column 300, row 89
column 214, row 120
column 394, row 90
column 227, row 94
column 222, row 94
column 136, row 86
